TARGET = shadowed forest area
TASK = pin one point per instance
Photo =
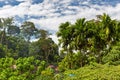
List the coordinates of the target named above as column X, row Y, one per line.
column 90, row 50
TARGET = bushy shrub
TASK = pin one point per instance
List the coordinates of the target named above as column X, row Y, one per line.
column 20, row 69
column 97, row 72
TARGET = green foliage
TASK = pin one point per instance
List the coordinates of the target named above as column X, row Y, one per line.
column 92, row 72
column 73, row 61
column 92, row 38
column 97, row 72
column 20, row 69
column 28, row 30
column 2, row 51
column 84, row 44
column 16, row 41
column 44, row 49
column 113, row 56
column 47, row 74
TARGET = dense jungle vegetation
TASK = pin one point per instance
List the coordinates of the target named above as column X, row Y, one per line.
column 90, row 50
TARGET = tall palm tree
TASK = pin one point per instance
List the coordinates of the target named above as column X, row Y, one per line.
column 108, row 27
column 79, row 33
column 64, row 34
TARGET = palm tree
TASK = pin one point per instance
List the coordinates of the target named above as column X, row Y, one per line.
column 108, row 27
column 79, row 34
column 65, row 35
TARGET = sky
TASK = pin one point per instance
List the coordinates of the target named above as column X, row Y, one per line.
column 49, row 14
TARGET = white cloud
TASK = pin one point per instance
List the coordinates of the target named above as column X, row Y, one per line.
column 50, row 9
column 11, row 11
column 55, row 39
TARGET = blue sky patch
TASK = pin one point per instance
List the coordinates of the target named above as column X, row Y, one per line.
column 9, row 2
column 37, row 1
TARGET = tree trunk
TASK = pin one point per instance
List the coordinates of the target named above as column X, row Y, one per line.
column 2, row 36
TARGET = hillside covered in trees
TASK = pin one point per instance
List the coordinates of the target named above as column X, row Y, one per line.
column 90, row 50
